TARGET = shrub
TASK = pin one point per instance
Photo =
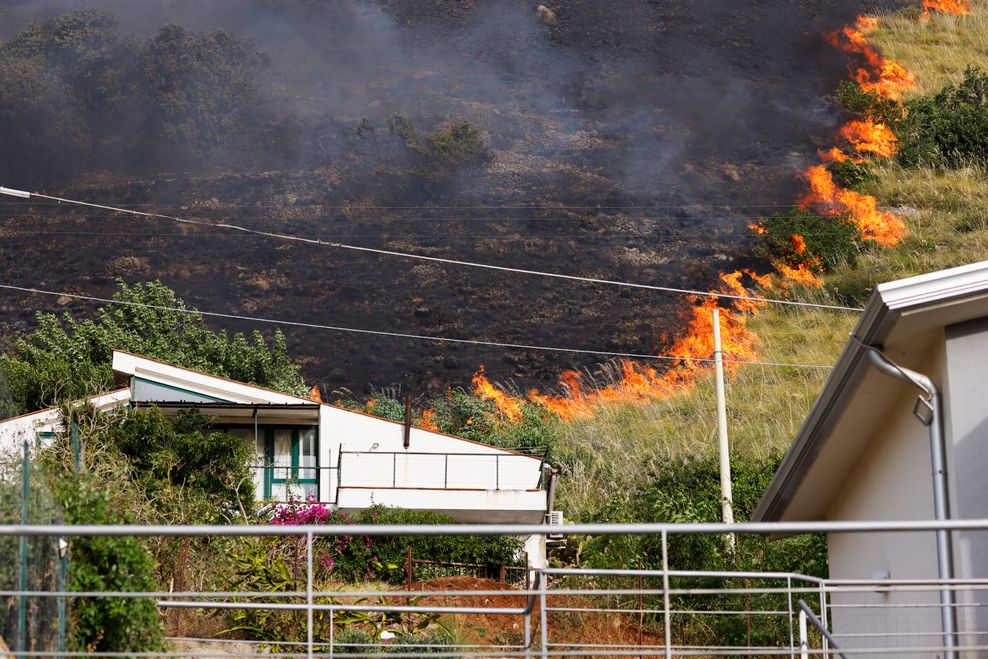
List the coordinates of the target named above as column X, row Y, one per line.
column 827, row 240
column 466, row 415
column 850, row 174
column 688, row 490
column 858, row 102
column 448, row 148
column 487, row 551
column 111, row 564
column 211, row 468
column 949, row 129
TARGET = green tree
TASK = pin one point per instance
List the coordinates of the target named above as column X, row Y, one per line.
column 201, row 87
column 64, row 359
column 183, row 458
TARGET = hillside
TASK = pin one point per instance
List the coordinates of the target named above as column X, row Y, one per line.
column 947, row 222
column 632, row 140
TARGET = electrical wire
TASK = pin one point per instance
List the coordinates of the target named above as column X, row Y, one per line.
column 404, row 335
column 434, row 259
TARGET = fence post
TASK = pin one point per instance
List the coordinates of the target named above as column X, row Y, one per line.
column 543, row 616
column 801, row 617
column 804, row 646
column 409, row 570
column 25, row 513
column 497, row 472
column 394, row 470
column 500, row 574
column 308, row 593
column 666, row 610
column 63, row 573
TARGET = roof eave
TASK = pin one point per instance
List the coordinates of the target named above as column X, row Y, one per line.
column 887, row 304
column 847, row 372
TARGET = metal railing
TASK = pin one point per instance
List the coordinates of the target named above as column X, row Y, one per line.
column 573, row 612
column 423, row 470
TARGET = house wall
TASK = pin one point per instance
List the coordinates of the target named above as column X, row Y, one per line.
column 966, row 396
column 891, row 481
column 30, row 427
column 454, row 464
column 14, row 432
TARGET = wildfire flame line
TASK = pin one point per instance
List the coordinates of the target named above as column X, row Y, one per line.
column 865, row 137
column 959, row 7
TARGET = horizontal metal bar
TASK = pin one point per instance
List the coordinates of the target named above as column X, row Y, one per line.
column 495, row 529
column 370, row 608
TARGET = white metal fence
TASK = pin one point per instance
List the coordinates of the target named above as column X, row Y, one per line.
column 575, row 612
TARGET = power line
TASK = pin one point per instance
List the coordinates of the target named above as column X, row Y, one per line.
column 422, row 257
column 404, row 335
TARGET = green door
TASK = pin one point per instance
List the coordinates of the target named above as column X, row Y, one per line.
column 291, row 464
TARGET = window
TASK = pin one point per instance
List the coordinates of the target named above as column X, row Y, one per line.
column 286, row 461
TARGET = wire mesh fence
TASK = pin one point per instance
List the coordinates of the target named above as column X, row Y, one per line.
column 30, row 563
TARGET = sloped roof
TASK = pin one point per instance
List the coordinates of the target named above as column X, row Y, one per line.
column 903, row 317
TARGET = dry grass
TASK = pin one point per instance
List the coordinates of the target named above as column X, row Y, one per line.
column 948, row 226
column 935, row 51
column 766, row 405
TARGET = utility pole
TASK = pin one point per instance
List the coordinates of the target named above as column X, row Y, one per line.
column 726, row 496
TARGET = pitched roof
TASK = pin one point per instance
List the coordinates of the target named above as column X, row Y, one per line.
column 904, row 317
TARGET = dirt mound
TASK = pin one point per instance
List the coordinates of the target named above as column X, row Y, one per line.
column 571, row 626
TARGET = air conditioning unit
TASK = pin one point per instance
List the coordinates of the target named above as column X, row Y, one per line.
column 555, row 518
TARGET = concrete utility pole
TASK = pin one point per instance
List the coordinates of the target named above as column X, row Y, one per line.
column 726, row 496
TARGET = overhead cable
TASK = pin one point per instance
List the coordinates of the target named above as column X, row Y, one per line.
column 401, row 335
column 434, row 259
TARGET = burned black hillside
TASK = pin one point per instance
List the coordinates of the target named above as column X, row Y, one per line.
column 627, row 140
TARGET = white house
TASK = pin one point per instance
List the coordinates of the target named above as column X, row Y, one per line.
column 872, row 448
column 340, row 457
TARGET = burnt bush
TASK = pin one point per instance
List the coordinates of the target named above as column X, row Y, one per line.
column 76, row 93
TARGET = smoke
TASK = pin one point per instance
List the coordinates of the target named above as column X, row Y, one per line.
column 645, row 136
column 634, row 87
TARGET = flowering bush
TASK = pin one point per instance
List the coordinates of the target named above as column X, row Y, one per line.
column 337, row 558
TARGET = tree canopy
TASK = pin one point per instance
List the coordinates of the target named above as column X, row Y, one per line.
column 64, row 358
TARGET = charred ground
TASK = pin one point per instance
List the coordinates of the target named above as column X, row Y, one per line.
column 631, row 140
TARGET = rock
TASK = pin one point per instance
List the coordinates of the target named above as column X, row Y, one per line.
column 547, row 15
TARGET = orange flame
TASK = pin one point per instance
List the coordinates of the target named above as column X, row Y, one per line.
column 428, row 421
column 508, row 406
column 798, row 243
column 314, row 394
column 870, row 137
column 691, row 355
column 880, row 75
column 959, row 7
column 801, row 275
column 829, row 198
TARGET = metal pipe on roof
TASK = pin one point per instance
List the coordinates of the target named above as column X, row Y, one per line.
column 929, row 411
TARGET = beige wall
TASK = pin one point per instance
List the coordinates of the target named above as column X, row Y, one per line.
column 892, row 481
column 966, row 390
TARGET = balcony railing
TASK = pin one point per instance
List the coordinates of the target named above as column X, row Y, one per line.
column 446, row 471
